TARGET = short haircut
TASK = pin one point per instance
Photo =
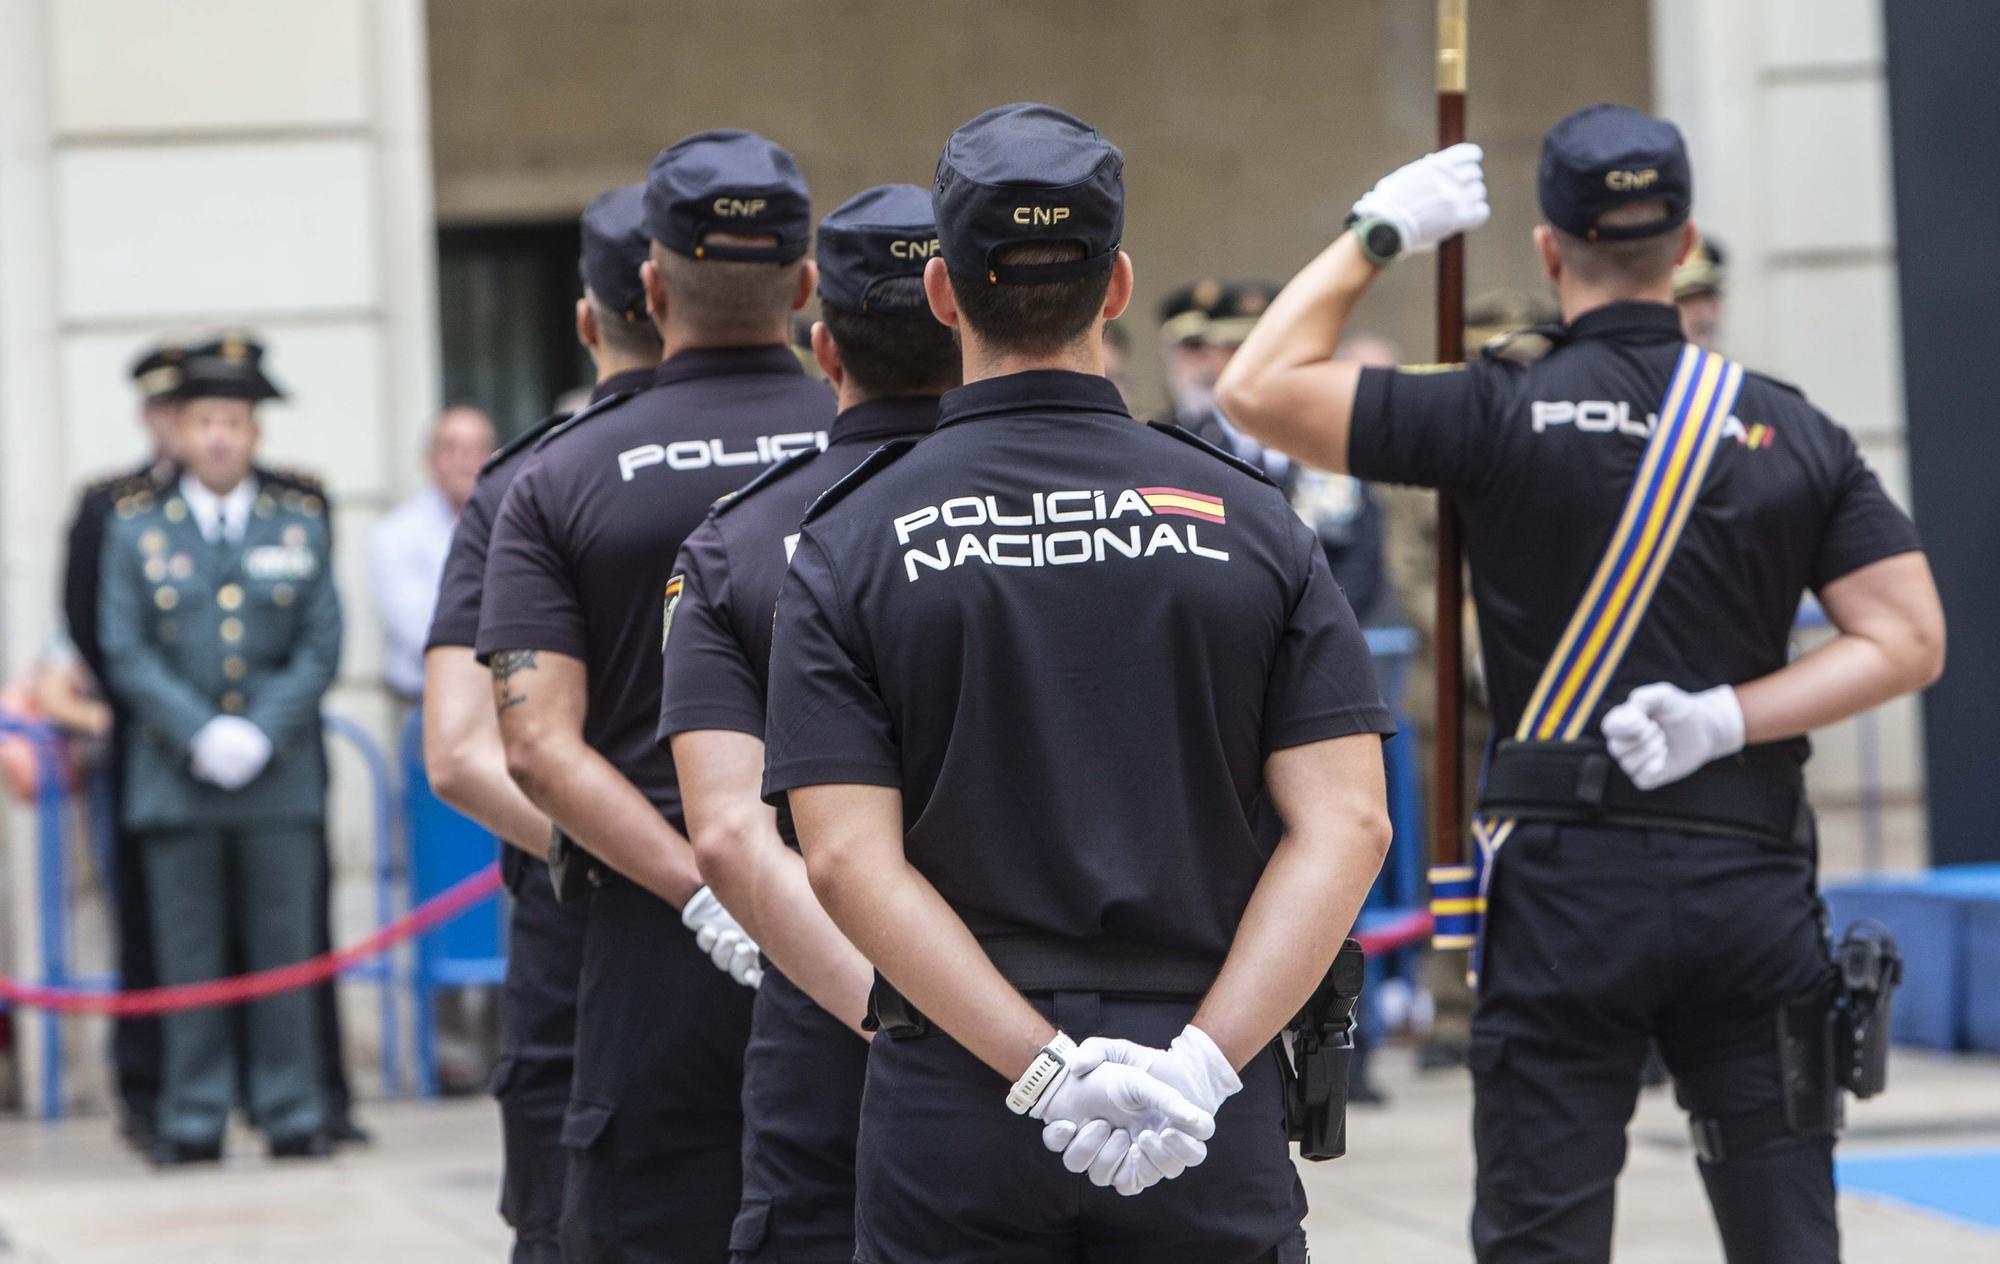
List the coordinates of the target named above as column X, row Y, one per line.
column 1636, row 263
column 628, row 338
column 725, row 302
column 1032, row 319
column 903, row 354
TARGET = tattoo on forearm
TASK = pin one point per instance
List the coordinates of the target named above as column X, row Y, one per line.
column 508, row 666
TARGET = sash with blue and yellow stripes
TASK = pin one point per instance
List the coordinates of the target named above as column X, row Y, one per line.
column 1684, row 439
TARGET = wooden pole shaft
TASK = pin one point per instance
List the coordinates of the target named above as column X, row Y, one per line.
column 1448, row 815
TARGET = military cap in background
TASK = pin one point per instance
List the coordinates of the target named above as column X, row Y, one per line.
column 1706, row 270
column 1606, row 156
column 157, row 373
column 1025, row 173
column 1186, row 310
column 231, row 367
column 875, row 236
column 728, row 181
column 614, row 245
column 1236, row 312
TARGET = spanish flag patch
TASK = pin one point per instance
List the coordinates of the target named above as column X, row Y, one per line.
column 1177, row 500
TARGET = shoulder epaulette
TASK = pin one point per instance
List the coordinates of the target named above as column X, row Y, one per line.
column 1194, row 440
column 286, row 476
column 871, row 465
column 770, row 475
column 1523, row 346
column 135, row 502
column 526, row 437
column 584, row 414
column 1780, row 383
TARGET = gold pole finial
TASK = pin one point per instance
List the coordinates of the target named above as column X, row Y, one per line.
column 1451, row 45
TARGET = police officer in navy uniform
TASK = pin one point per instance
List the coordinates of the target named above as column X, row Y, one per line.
column 468, row 767
column 888, row 360
column 1030, row 677
column 571, row 624
column 221, row 633
column 1642, row 518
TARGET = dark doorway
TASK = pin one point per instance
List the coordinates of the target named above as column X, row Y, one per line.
column 506, row 309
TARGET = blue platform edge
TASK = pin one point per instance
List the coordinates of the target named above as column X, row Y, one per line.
column 1961, row 1184
column 1947, row 922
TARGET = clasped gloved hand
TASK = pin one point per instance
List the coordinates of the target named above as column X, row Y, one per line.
column 1662, row 733
column 1439, row 195
column 229, row 751
column 727, row 944
column 1119, row 1125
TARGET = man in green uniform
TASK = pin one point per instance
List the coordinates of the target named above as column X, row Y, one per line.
column 221, row 632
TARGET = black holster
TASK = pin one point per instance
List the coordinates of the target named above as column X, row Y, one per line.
column 569, row 868
column 1870, row 968
column 1314, row 1054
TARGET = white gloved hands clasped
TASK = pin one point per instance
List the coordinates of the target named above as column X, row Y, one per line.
column 1192, row 1065
column 229, row 751
column 1119, row 1125
column 1439, row 195
column 1662, row 733
column 727, row 944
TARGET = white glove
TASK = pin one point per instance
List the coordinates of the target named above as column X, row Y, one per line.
column 717, row 934
column 1120, row 1125
column 1662, row 733
column 1439, row 195
column 229, row 751
column 1192, row 1065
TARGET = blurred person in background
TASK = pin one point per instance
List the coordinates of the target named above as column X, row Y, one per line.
column 135, row 1044
column 1118, row 359
column 1700, row 286
column 407, row 548
column 221, row 627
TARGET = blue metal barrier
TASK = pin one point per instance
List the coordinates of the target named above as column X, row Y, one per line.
column 382, row 970
column 52, row 810
column 443, row 846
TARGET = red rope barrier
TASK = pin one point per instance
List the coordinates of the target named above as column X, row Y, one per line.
column 440, row 908
column 1411, row 928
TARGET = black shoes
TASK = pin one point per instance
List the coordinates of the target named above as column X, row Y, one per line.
column 166, row 1152
column 343, row 1131
column 305, row 1145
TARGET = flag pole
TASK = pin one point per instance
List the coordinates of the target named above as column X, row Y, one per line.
column 1448, row 817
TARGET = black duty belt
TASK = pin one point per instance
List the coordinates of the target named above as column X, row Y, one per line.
column 1041, row 964
column 1757, row 795
column 1057, row 963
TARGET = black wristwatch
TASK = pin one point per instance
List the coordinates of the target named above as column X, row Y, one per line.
column 1380, row 240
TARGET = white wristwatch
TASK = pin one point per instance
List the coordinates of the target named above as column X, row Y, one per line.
column 1043, row 1072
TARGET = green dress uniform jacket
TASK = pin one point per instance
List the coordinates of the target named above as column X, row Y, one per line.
column 192, row 629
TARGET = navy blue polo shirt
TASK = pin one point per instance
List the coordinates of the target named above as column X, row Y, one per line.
column 586, row 537
column 456, row 619
column 1071, row 641
column 718, row 651
column 1538, row 459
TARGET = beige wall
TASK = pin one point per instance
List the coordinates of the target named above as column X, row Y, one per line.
column 171, row 168
column 1249, row 126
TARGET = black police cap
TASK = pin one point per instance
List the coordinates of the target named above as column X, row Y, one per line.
column 728, row 181
column 157, row 372
column 614, row 245
column 1186, row 311
column 1023, row 173
column 231, row 367
column 875, row 236
column 1606, row 156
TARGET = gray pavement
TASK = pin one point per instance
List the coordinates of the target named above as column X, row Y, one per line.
column 70, row 1194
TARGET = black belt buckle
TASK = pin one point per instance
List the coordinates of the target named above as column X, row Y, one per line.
column 1593, row 775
